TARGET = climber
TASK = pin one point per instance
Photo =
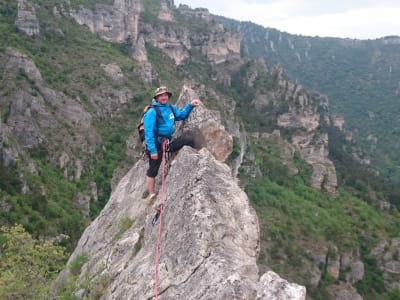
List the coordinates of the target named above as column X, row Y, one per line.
column 158, row 129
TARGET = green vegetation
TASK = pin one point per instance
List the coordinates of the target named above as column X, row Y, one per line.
column 124, row 224
column 360, row 78
column 46, row 208
column 96, row 285
column 77, row 263
column 69, row 58
column 151, row 9
column 295, row 217
column 27, row 265
column 235, row 150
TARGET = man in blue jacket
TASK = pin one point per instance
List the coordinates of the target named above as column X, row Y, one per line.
column 159, row 125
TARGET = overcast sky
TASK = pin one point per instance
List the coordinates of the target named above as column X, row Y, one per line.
column 361, row 19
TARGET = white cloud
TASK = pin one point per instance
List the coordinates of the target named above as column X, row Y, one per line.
column 354, row 19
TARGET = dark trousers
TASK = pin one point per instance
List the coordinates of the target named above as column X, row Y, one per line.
column 173, row 146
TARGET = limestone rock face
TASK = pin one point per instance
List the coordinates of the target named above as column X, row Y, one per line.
column 27, row 20
column 274, row 287
column 172, row 41
column 120, row 23
column 344, row 291
column 209, row 238
column 115, row 23
column 36, row 112
column 221, row 45
column 216, row 138
column 165, row 13
column 113, row 71
column 388, row 261
column 302, row 114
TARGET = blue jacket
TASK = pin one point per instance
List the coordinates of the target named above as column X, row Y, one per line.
column 165, row 124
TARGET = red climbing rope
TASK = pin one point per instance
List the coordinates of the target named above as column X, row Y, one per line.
column 161, row 208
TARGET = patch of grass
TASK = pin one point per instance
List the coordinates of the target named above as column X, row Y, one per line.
column 124, row 224
column 77, row 263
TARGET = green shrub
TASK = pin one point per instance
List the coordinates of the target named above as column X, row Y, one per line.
column 124, row 224
column 27, row 266
column 77, row 263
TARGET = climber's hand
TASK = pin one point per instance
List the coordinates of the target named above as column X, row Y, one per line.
column 195, row 102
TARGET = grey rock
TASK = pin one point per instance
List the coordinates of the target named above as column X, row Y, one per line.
column 392, row 267
column 84, row 204
column 115, row 23
column 357, row 272
column 8, row 157
column 333, row 266
column 78, row 169
column 209, row 122
column 113, row 71
column 27, row 20
column 120, row 22
column 165, row 12
column 4, row 205
column 209, row 240
column 274, row 287
column 352, row 266
column 388, row 261
column 344, row 291
column 40, row 117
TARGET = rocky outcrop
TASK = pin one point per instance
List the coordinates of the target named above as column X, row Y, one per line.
column 209, row 122
column 338, row 121
column 221, row 45
column 344, row 266
column 343, row 291
column 174, row 42
column 275, row 288
column 209, row 238
column 27, row 20
column 41, row 118
column 208, row 248
column 198, row 13
column 113, row 71
column 387, row 254
column 165, row 12
column 120, row 23
column 306, row 115
column 300, row 114
column 115, row 23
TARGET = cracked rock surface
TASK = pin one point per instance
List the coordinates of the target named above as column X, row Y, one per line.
column 209, row 239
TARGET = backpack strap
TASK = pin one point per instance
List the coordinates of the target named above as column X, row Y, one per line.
column 158, row 117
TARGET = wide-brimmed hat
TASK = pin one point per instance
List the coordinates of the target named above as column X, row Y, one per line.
column 162, row 90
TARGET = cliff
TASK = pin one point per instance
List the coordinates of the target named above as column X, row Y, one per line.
column 75, row 76
column 209, row 240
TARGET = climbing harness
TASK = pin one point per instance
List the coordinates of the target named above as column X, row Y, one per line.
column 159, row 215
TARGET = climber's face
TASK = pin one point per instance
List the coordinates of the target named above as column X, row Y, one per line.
column 163, row 98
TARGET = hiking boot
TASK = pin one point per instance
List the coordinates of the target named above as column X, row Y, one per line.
column 150, row 199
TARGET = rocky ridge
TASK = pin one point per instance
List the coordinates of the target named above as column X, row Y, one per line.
column 303, row 115
column 209, row 241
column 121, row 22
column 36, row 112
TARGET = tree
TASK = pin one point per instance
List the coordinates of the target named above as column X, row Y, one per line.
column 27, row 265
